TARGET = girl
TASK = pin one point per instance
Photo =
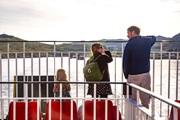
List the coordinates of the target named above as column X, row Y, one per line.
column 61, row 76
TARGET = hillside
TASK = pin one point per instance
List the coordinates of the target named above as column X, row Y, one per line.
column 176, row 37
column 65, row 47
column 172, row 46
column 16, row 45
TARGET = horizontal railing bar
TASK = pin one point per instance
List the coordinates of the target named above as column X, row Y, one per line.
column 79, row 42
column 160, row 97
column 47, row 52
column 42, row 82
column 168, row 101
column 50, row 52
column 80, row 52
column 82, row 42
column 55, row 98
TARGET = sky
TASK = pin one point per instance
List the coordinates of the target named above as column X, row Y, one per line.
column 76, row 20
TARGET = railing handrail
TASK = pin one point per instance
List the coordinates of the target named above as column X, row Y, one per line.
column 80, row 42
column 160, row 97
column 157, row 96
column 30, row 82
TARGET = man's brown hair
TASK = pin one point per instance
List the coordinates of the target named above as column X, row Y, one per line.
column 135, row 29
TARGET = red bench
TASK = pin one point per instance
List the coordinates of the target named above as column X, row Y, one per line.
column 100, row 110
column 56, row 111
column 20, row 109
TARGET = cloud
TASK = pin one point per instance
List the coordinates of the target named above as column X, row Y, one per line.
column 16, row 12
column 84, row 19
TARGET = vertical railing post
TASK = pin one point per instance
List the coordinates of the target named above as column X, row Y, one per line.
column 1, row 101
column 61, row 59
column 2, row 108
column 94, row 101
column 54, row 50
column 169, row 77
column 106, row 110
column 38, row 109
column 69, row 64
column 122, row 61
column 175, row 113
column 137, row 97
column 26, row 100
column 77, row 88
column 161, row 46
column 177, row 75
column 72, row 110
column 117, row 110
column 122, row 51
column 49, row 109
column 8, row 72
column 127, row 90
column 16, row 77
column 60, row 94
column 32, row 85
column 115, row 85
column 24, row 73
column 14, row 109
column 83, row 109
column 136, row 112
column 84, row 65
column 39, row 74
column 153, row 85
column 47, row 72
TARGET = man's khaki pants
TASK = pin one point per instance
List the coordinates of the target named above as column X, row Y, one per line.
column 142, row 80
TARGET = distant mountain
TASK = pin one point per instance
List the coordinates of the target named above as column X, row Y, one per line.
column 159, row 37
column 35, row 47
column 66, row 47
column 172, row 46
column 6, row 36
column 162, row 38
column 176, row 37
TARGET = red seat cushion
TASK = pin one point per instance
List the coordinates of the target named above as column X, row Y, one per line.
column 171, row 113
column 100, row 110
column 20, row 109
column 66, row 110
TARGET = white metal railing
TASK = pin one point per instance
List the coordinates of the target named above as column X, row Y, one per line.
column 153, row 113
column 164, row 68
column 131, row 109
column 27, row 99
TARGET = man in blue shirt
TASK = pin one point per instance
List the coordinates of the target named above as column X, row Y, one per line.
column 136, row 62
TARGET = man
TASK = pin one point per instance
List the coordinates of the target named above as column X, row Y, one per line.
column 136, row 62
